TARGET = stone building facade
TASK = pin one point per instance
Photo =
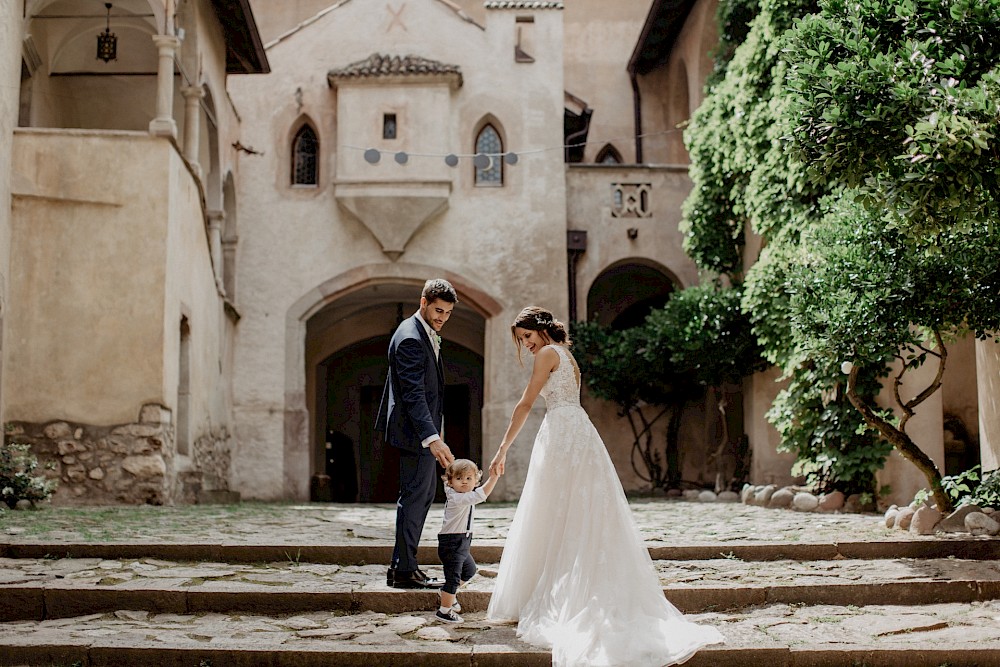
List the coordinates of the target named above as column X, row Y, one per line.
column 207, row 242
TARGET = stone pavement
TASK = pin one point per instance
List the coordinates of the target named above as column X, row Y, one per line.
column 261, row 584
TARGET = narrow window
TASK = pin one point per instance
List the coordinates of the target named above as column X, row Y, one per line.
column 183, row 434
column 488, row 144
column 389, row 126
column 608, row 155
column 305, row 154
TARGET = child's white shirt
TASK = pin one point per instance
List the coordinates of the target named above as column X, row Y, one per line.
column 458, row 509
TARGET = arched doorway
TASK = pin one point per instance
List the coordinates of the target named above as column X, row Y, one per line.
column 625, row 293
column 345, row 356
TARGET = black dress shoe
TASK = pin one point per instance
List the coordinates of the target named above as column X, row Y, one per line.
column 389, row 576
column 429, row 580
column 415, row 579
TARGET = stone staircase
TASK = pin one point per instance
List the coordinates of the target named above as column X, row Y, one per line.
column 906, row 603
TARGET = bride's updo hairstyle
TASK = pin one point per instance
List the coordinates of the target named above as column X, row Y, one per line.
column 538, row 319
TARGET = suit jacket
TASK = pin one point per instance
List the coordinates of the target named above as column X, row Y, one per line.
column 412, row 406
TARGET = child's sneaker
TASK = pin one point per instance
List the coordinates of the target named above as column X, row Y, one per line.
column 448, row 617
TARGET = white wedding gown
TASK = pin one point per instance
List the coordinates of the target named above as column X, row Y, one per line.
column 575, row 573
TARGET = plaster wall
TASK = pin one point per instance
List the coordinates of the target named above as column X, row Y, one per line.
column 589, row 206
column 299, row 249
column 767, row 464
column 988, row 383
column 87, row 267
column 959, row 394
column 672, row 92
column 105, row 261
column 600, row 36
column 10, row 69
column 926, row 428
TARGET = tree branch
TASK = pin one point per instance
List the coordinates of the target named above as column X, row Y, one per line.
column 901, row 442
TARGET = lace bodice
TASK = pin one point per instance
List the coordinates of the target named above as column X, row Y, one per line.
column 562, row 389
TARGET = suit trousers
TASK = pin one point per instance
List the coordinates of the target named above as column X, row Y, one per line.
column 417, row 486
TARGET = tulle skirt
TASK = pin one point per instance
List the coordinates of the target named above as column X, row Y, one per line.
column 575, row 573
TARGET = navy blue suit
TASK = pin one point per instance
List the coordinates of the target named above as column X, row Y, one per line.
column 412, row 409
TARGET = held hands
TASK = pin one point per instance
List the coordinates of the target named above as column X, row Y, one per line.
column 498, row 464
column 442, row 452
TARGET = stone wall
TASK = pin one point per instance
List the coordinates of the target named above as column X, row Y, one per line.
column 204, row 477
column 126, row 463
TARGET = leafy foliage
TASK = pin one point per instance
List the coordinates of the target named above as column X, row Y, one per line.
column 898, row 100
column 17, row 478
column 704, row 334
column 614, row 367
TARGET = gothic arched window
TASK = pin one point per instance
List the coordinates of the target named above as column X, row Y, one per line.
column 488, row 143
column 608, row 155
column 305, row 157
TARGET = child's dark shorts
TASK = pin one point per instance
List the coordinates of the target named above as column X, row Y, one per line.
column 453, row 550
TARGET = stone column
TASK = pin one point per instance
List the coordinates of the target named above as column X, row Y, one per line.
column 164, row 125
column 215, row 220
column 192, row 125
column 988, row 379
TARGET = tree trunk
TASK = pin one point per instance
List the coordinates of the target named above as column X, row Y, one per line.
column 903, row 444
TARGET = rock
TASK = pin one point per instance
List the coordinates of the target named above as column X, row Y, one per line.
column 904, row 517
column 925, row 520
column 96, row 473
column 434, row 633
column 707, row 497
column 763, row 496
column 144, row 466
column 890, row 517
column 674, row 493
column 978, row 523
column 70, row 447
column 130, row 615
column 988, row 510
column 76, row 473
column 23, row 505
column 57, row 431
column 955, row 522
column 14, row 530
column 853, row 504
column 831, row 502
column 805, row 502
column 729, row 497
column 77, row 434
column 781, row 498
column 747, row 493
column 152, row 413
column 691, row 494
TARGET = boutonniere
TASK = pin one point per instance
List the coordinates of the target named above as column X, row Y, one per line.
column 437, row 340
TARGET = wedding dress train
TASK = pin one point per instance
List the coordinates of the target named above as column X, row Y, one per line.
column 575, row 573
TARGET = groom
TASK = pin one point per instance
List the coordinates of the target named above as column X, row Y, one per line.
column 411, row 416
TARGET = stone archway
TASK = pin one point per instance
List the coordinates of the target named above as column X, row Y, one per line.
column 336, row 336
column 624, row 293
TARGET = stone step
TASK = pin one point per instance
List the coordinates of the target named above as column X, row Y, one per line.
column 769, row 636
column 489, row 551
column 48, row 589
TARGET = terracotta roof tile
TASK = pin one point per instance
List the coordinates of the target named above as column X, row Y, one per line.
column 378, row 64
column 521, row 4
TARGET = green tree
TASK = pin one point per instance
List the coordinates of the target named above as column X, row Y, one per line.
column 896, row 103
column 615, row 369
column 743, row 176
column 703, row 334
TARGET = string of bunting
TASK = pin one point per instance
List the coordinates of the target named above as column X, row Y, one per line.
column 482, row 160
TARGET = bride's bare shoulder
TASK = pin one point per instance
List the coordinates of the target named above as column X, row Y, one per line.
column 548, row 357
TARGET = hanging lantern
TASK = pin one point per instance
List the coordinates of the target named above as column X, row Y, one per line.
column 107, row 41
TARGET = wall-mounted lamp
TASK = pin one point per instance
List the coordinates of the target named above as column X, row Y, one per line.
column 107, row 41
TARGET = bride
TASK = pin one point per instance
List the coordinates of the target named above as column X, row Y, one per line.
column 575, row 573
